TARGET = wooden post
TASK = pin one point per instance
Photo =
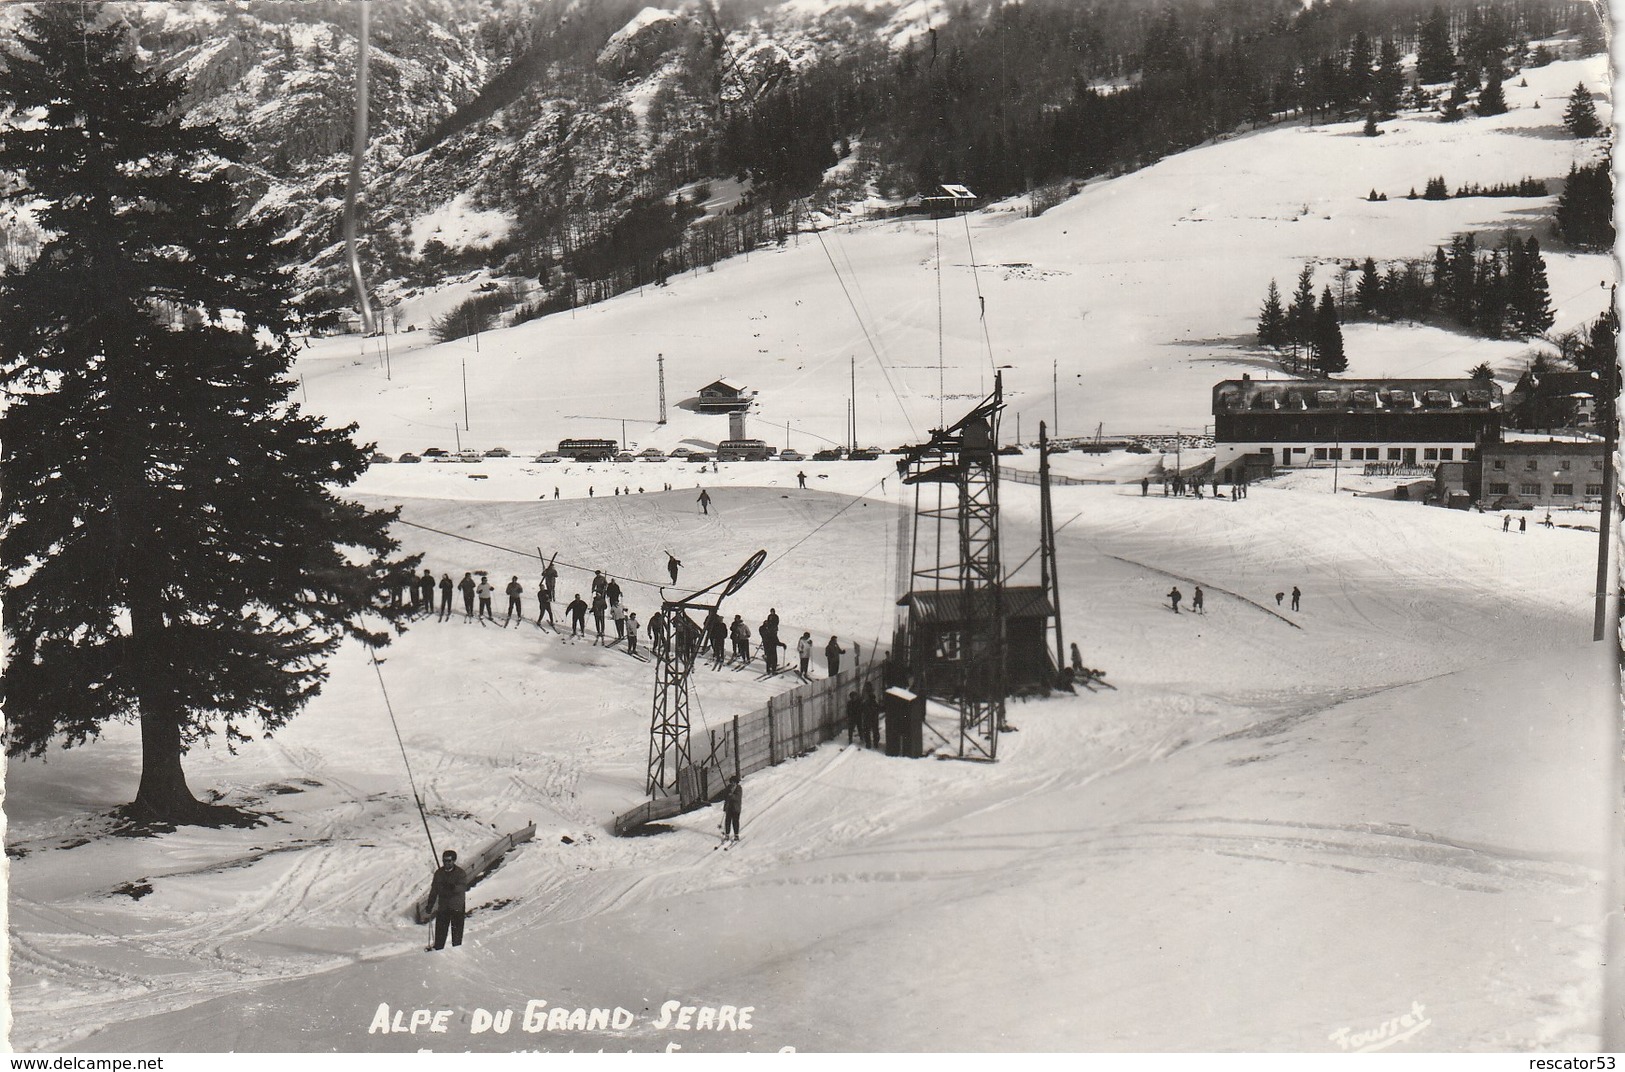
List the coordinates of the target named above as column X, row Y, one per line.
column 736, row 746
column 772, row 737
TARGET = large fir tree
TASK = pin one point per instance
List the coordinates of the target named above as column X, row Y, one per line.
column 1580, row 117
column 1272, row 319
column 174, row 552
column 1327, row 340
column 1435, row 58
column 1585, row 208
column 1492, row 98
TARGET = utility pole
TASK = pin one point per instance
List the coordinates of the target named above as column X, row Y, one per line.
column 1055, row 389
column 660, row 361
column 465, row 394
column 1049, row 569
column 852, row 365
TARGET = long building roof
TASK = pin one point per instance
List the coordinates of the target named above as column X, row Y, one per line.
column 1407, row 395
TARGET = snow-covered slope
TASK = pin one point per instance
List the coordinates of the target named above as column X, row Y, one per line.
column 1135, row 296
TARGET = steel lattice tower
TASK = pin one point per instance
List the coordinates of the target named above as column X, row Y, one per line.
column 966, row 457
column 668, row 720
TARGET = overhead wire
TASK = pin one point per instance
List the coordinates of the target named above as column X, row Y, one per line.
column 522, row 554
column 412, row 781
column 981, row 302
column 868, row 337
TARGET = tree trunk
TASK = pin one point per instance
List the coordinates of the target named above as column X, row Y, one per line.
column 163, row 794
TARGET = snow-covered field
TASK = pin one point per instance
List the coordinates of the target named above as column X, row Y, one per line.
column 1282, row 831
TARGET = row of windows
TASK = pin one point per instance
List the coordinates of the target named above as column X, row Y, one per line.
column 1531, row 464
column 1532, row 489
column 1374, row 454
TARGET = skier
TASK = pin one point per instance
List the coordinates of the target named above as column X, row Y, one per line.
column 544, row 602
column 1296, row 595
column 833, row 652
column 598, row 582
column 555, row 493
column 578, row 616
column 802, row 479
column 1077, row 660
column 1216, row 485
column 485, row 591
column 657, row 634
column 514, row 591
column 551, row 577
column 854, row 717
column 1548, row 522
column 599, row 605
column 612, row 592
column 804, row 649
column 1196, row 601
column 740, row 632
column 445, row 596
column 617, row 614
column 448, row 900
column 672, row 566
column 1145, row 486
column 466, row 586
column 1506, row 522
column 631, row 632
column 1173, row 598
column 732, row 801
column 871, row 717
column 397, row 585
column 426, row 586
column 410, row 583
column 705, row 501
column 716, row 633
column 769, row 632
column 1523, row 524
column 1278, row 597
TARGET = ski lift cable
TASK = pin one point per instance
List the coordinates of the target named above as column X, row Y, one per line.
column 814, row 530
column 410, row 780
column 981, row 302
column 869, row 338
column 358, row 148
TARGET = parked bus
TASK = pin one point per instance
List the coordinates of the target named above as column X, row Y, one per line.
column 742, row 450
column 589, row 450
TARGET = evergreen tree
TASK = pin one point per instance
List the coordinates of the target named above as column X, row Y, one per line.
column 1435, row 58
column 1357, row 81
column 1492, row 98
column 1481, row 371
column 1461, row 287
column 1580, row 118
column 1369, row 293
column 1454, row 103
column 1585, row 208
column 1327, row 340
column 1489, row 296
column 1300, row 317
column 1389, row 81
column 1272, row 319
column 1529, row 297
column 176, row 553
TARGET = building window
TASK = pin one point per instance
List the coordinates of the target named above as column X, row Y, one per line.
column 1447, row 454
column 1529, row 464
column 1498, row 464
column 1337, row 454
column 1430, row 454
column 1468, row 454
column 1527, row 488
column 1562, row 489
column 1394, row 454
column 1596, row 463
column 1564, row 464
column 1498, row 489
column 1594, row 489
column 1320, row 454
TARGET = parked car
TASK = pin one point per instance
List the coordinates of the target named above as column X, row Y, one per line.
column 829, row 455
column 863, row 455
column 697, row 456
column 791, row 456
column 681, row 452
column 1136, row 448
column 626, row 456
column 379, row 458
column 651, row 452
column 469, row 457
column 436, row 452
column 1010, row 452
column 499, row 452
column 408, row 458
column 550, row 458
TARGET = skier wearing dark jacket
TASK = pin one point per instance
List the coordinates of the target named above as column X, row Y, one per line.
column 445, row 596
column 466, row 586
column 514, row 591
column 833, row 652
column 733, row 800
column 426, row 589
column 599, row 605
column 448, row 900
column 578, row 616
column 716, row 631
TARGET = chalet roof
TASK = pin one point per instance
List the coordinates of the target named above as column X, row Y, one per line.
column 1405, row 395
column 1555, row 383
column 722, row 388
column 949, row 606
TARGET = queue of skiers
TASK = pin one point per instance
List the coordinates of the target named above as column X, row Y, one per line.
column 1175, row 483
column 732, row 644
